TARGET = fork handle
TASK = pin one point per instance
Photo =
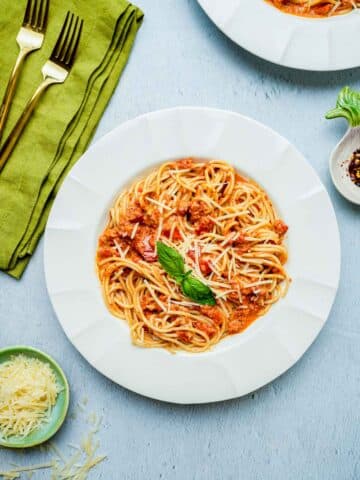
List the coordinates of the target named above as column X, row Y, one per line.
column 10, row 142
column 11, row 87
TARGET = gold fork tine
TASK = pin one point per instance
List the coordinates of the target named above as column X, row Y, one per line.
column 34, row 13
column 29, row 39
column 74, row 42
column 66, row 33
column 27, row 16
column 44, row 9
column 55, row 70
column 64, row 51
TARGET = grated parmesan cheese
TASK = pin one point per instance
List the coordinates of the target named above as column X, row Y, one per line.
column 28, row 391
column 17, row 471
column 260, row 282
column 134, row 230
column 154, row 296
column 159, row 204
column 74, row 466
column 119, row 249
column 185, row 304
column 224, row 294
column 233, row 236
column 221, row 255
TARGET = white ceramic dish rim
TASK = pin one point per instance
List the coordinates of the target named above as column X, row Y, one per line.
column 273, row 343
column 296, row 42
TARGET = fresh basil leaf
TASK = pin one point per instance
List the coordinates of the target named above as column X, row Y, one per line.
column 171, row 261
column 197, row 291
column 173, row 264
column 347, row 106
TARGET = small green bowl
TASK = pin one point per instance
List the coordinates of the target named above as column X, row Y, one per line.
column 59, row 411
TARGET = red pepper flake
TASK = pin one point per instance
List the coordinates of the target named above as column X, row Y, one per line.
column 354, row 167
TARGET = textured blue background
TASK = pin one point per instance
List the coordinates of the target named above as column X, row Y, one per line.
column 305, row 425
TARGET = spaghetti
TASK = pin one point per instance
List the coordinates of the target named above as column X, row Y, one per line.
column 226, row 229
column 316, row 8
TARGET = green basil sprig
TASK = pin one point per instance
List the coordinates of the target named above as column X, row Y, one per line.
column 347, row 106
column 173, row 264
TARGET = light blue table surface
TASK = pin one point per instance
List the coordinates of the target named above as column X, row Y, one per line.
column 305, row 425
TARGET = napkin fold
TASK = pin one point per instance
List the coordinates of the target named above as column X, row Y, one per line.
column 64, row 120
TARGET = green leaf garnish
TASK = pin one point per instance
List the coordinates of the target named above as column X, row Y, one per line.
column 197, row 291
column 173, row 264
column 171, row 261
column 347, row 106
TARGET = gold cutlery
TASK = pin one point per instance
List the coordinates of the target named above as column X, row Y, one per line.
column 30, row 38
column 54, row 71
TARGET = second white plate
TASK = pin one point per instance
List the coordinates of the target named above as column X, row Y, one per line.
column 241, row 363
column 288, row 40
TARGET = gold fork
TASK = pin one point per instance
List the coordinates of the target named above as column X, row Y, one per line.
column 30, row 38
column 54, row 71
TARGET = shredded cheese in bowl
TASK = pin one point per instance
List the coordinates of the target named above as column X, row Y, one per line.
column 28, row 392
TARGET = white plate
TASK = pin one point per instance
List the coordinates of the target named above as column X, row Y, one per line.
column 241, row 363
column 289, row 40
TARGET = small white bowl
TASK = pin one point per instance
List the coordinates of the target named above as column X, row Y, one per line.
column 339, row 165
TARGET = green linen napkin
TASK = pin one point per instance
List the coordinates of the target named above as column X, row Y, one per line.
column 65, row 119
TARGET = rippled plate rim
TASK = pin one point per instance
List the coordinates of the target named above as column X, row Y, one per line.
column 288, row 40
